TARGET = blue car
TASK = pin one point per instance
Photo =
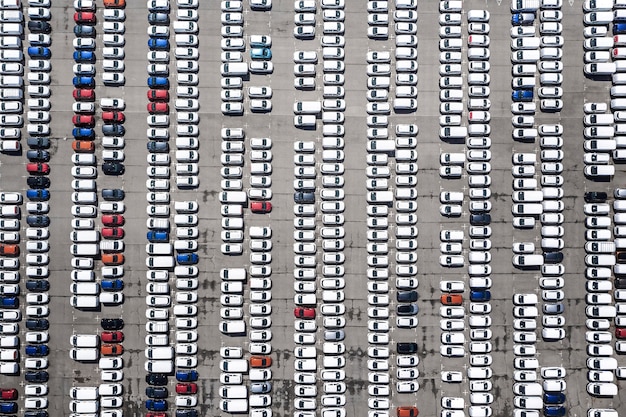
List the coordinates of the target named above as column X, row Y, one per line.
column 38, row 195
column 554, row 398
column 112, row 284
column 554, row 411
column 38, row 221
column 158, row 44
column 619, row 28
column 260, row 53
column 156, row 405
column 39, row 52
column 83, row 133
column 9, row 302
column 187, row 258
column 37, row 350
column 158, row 236
column 480, row 296
column 158, row 82
column 522, row 95
column 522, row 19
column 186, row 376
column 83, row 82
column 8, row 408
column 84, row 56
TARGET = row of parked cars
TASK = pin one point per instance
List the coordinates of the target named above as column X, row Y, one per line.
column 385, row 148
column 162, row 256
column 36, row 310
column 88, row 242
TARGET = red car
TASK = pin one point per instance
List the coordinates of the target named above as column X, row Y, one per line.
column 38, row 168
column 85, row 17
column 304, row 312
column 620, row 332
column 158, row 107
column 156, row 414
column 112, row 337
column 261, row 207
column 84, row 94
column 113, row 116
column 9, row 394
column 83, row 120
column 112, row 232
column 113, row 220
column 158, row 95
column 190, row 388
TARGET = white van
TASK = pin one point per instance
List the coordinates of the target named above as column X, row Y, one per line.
column 234, row 365
column 404, row 104
column 84, row 301
column 230, row 197
column 84, row 355
column 233, row 274
column 159, row 366
column 307, row 107
column 11, row 94
column 525, row 56
column 233, row 391
column 385, row 197
column 381, row 145
column 159, row 248
column 453, row 132
column 233, row 326
column 230, row 69
column 84, row 288
column 161, row 352
column 11, row 29
column 523, row 209
column 85, row 249
column 527, row 196
column 234, row 406
column 160, row 262
column 84, row 393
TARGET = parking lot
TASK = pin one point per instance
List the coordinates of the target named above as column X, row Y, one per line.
column 326, row 244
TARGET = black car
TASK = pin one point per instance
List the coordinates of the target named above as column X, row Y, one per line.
column 406, row 296
column 480, row 219
column 156, row 379
column 553, row 257
column 154, row 146
column 38, row 155
column 113, row 168
column 39, row 27
column 156, row 392
column 300, row 197
column 406, row 347
column 38, row 221
column 112, row 324
column 595, row 197
column 113, row 130
column 36, row 376
column 38, row 286
column 186, row 412
column 37, row 324
column 113, row 194
column 620, row 283
column 40, row 413
column 407, row 309
column 38, row 182
column 35, row 142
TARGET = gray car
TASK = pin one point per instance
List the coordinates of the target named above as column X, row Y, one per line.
column 261, row 388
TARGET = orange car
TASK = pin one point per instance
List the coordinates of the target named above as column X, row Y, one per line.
column 9, row 250
column 83, row 146
column 260, row 361
column 407, row 411
column 451, row 299
column 112, row 349
column 114, row 3
column 112, row 258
